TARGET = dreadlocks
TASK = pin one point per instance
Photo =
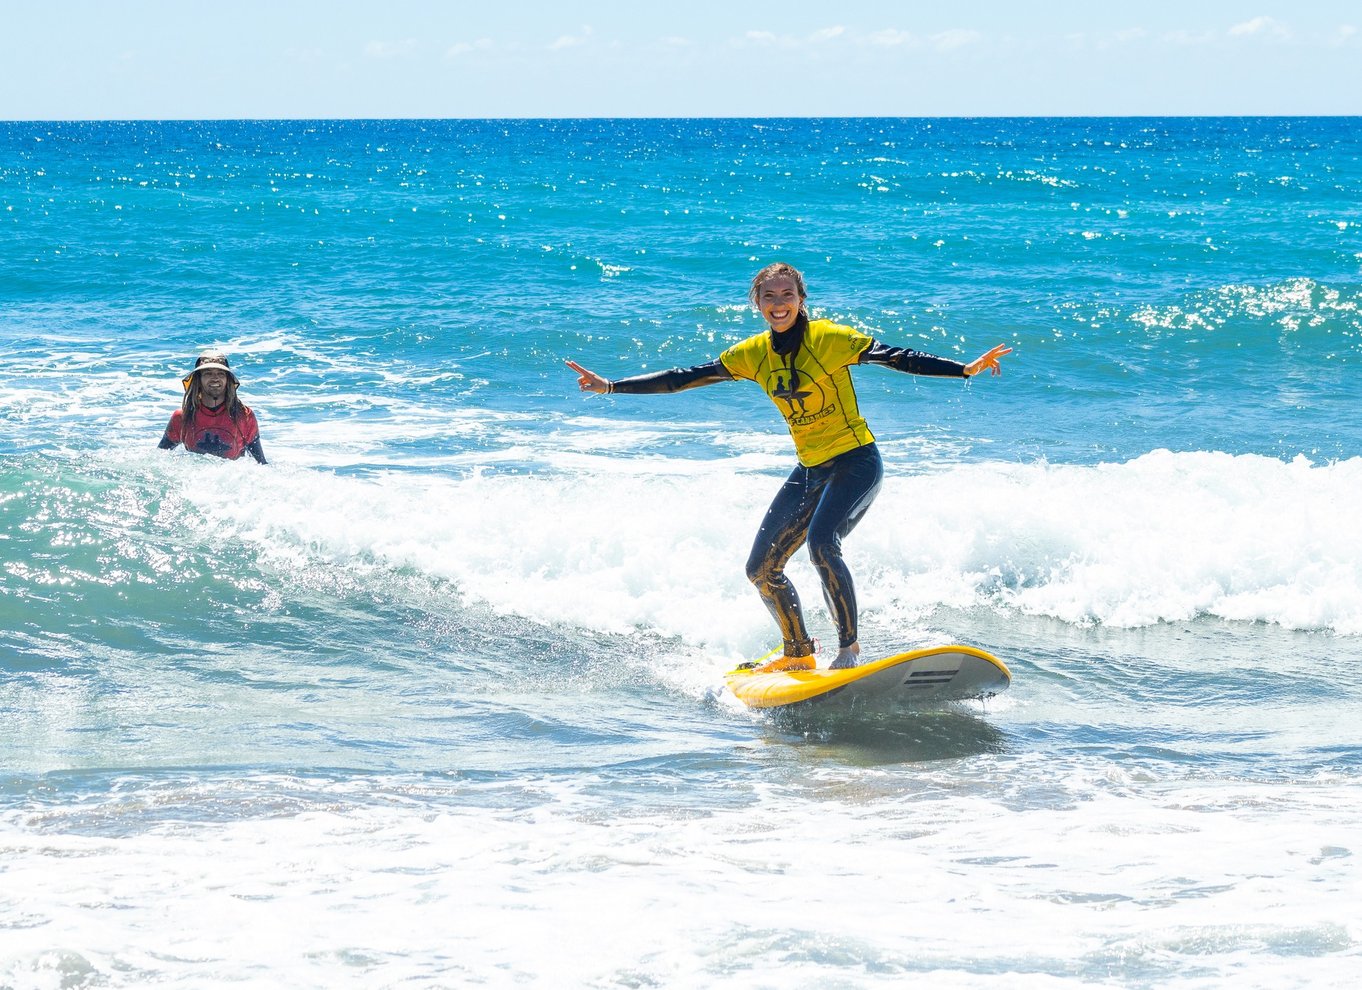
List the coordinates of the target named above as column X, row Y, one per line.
column 190, row 404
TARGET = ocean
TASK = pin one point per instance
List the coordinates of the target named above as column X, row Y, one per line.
column 435, row 698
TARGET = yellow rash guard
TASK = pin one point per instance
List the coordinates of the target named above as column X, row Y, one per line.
column 816, row 395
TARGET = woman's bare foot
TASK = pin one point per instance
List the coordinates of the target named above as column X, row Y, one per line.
column 847, row 656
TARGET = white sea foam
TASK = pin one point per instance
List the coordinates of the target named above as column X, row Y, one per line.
column 864, row 874
column 660, row 544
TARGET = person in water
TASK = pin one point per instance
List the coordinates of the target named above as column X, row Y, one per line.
column 211, row 419
column 804, row 366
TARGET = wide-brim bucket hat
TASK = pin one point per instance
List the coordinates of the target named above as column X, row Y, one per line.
column 210, row 362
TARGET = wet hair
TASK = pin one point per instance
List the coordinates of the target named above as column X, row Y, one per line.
column 190, row 403
column 778, row 269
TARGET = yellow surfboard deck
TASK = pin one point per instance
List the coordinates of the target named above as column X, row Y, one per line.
column 938, row 673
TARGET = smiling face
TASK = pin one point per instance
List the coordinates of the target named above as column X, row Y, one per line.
column 779, row 299
column 212, row 386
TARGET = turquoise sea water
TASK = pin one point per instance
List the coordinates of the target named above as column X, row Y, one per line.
column 435, row 698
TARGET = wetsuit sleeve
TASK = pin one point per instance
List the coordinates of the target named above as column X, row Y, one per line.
column 913, row 362
column 174, row 432
column 252, row 446
column 675, row 380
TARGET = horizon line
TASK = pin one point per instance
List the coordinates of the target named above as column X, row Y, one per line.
column 703, row 117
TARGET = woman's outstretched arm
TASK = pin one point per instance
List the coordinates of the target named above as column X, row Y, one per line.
column 674, row 380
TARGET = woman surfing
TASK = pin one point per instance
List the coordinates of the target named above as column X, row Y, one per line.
column 804, row 366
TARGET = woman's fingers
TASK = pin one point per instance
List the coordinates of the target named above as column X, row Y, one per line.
column 587, row 381
column 988, row 360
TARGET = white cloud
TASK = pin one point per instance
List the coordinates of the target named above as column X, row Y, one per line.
column 1260, row 26
column 943, row 41
column 1105, row 41
column 1187, row 38
column 947, row 41
column 891, row 38
column 390, row 49
column 460, row 48
column 571, row 40
column 767, row 39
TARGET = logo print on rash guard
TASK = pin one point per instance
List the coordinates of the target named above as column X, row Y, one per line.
column 816, row 396
column 212, row 443
column 785, row 391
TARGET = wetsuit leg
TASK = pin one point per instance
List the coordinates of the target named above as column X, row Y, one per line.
column 853, row 481
column 781, row 534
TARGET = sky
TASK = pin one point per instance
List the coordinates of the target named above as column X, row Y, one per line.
column 187, row 59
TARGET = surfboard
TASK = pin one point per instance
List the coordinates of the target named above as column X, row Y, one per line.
column 938, row 673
